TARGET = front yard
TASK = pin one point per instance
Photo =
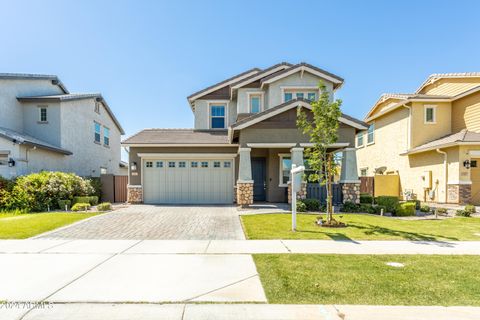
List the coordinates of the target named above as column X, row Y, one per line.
column 22, row 226
column 360, row 227
column 360, row 279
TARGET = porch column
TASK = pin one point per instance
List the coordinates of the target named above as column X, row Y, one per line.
column 349, row 176
column 244, row 182
column 297, row 159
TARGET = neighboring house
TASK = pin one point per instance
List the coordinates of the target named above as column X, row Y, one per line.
column 431, row 138
column 44, row 127
column 243, row 144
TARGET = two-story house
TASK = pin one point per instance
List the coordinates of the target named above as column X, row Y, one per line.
column 431, row 138
column 243, row 143
column 45, row 127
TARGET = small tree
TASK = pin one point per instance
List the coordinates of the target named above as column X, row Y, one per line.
column 322, row 128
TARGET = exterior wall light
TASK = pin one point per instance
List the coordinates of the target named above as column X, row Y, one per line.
column 11, row 162
column 133, row 167
column 467, row 164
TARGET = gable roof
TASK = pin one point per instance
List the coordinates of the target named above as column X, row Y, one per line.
column 462, row 137
column 186, row 137
column 437, row 76
column 262, row 74
column 30, row 76
column 22, row 138
column 74, row 96
column 303, row 66
column 258, row 117
column 221, row 84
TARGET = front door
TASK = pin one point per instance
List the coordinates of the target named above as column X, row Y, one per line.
column 259, row 176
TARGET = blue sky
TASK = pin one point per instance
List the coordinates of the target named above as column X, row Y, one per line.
column 146, row 57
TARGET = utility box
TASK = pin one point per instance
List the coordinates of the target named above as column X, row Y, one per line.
column 427, row 179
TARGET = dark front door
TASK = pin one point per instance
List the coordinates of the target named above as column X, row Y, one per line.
column 259, row 176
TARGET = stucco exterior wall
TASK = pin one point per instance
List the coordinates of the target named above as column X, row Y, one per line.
column 202, row 113
column 6, row 146
column 451, row 86
column 243, row 99
column 49, row 132
column 422, row 132
column 10, row 108
column 466, row 113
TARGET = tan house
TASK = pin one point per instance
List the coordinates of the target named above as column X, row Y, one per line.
column 430, row 138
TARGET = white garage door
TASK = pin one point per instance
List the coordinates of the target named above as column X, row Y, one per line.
column 187, row 181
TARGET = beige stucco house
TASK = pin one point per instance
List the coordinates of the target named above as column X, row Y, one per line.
column 45, row 127
column 243, row 143
column 430, row 138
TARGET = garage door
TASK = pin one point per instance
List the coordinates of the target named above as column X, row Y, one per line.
column 188, row 181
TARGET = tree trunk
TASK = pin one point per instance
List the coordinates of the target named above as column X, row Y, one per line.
column 329, row 190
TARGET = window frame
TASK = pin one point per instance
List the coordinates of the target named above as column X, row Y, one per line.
column 170, row 164
column 260, row 96
column 202, row 164
column 372, row 125
column 223, row 104
column 40, row 108
column 95, row 123
column 362, row 135
column 305, row 90
column 4, row 156
column 280, row 169
column 106, row 136
column 159, row 164
column 193, row 162
column 434, row 114
column 148, row 164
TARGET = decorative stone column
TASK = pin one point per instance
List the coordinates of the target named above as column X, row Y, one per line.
column 244, row 182
column 459, row 193
column 297, row 159
column 134, row 194
column 349, row 176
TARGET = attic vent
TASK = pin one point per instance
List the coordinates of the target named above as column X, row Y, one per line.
column 55, row 82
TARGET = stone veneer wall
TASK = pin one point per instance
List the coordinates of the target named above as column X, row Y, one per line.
column 351, row 192
column 302, row 194
column 244, row 193
column 134, row 194
column 459, row 193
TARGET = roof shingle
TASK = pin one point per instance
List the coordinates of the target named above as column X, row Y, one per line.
column 178, row 136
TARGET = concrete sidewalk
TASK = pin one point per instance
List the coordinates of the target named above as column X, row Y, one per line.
column 237, row 312
column 238, row 247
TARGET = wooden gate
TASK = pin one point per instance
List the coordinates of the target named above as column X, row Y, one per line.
column 367, row 185
column 114, row 188
column 315, row 191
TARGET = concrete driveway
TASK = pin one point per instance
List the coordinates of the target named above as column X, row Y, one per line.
column 149, row 222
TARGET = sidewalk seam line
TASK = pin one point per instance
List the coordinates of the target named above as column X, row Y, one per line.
column 208, row 245
column 288, row 249
column 57, row 245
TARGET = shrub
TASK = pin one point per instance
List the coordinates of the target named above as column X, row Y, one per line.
column 405, row 209
column 93, row 200
column 463, row 213
column 378, row 209
column 350, row 207
column 80, row 206
column 425, row 208
column 105, row 206
column 366, row 198
column 97, row 186
column 441, row 211
column 470, row 208
column 301, row 206
column 63, row 203
column 417, row 203
column 390, row 203
column 312, row 204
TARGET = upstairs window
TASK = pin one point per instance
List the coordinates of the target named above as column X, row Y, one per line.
column 287, row 96
column 255, row 103
column 217, row 116
column 371, row 133
column 311, row 96
column 300, row 95
column 360, row 139
column 43, row 114
column 308, row 94
column 97, row 133
column 430, row 114
column 106, row 136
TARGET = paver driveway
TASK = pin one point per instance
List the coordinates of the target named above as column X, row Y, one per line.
column 158, row 222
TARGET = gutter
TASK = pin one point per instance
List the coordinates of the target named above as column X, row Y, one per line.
column 445, row 171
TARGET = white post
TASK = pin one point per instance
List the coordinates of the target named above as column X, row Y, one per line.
column 294, row 201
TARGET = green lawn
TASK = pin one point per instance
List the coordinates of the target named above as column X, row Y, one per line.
column 360, row 227
column 21, row 226
column 366, row 279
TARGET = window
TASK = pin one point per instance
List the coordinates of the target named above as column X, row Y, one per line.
column 182, row 164
column 285, row 167
column 3, row 159
column 287, row 96
column 217, row 116
column 96, row 128
column 216, row 164
column 430, row 114
column 103, row 170
column 255, row 103
column 227, row 164
column 97, row 107
column 43, row 117
column 194, row 164
column 171, row 164
column 159, row 164
column 149, row 164
column 311, row 96
column 106, row 136
column 299, row 95
column 371, row 134
column 360, row 139
column 363, row 172
column 204, row 164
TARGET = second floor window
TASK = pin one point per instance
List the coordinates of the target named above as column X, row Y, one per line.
column 217, row 116
column 430, row 114
column 255, row 103
column 106, row 136
column 43, row 115
column 309, row 94
column 287, row 96
column 360, row 139
column 97, row 133
column 371, row 133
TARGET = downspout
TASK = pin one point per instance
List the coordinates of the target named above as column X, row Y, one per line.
column 409, row 127
column 445, row 171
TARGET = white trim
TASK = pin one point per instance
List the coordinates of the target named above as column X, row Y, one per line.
column 221, row 85
column 40, row 107
column 442, row 146
column 135, row 186
column 179, row 145
column 474, row 153
column 373, row 132
column 349, row 181
column 299, row 89
column 186, row 156
column 459, row 182
column 351, row 123
column 434, row 108
column 303, row 68
column 262, row 100
column 245, row 181
column 280, row 171
column 226, row 105
column 271, row 145
column 262, row 75
column 358, row 146
column 297, row 149
column 333, row 145
column 244, row 149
